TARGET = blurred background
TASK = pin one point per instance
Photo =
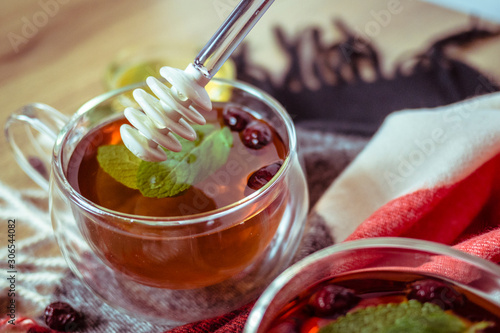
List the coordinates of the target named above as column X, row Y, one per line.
column 59, row 51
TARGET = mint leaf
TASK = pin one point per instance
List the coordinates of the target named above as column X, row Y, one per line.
column 408, row 317
column 119, row 163
column 197, row 160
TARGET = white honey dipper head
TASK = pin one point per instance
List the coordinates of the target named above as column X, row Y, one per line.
column 140, row 146
column 171, row 111
column 189, row 83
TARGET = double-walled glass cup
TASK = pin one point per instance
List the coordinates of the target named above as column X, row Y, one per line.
column 169, row 269
column 374, row 256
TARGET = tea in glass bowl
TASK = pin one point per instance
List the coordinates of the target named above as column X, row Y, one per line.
column 387, row 302
column 382, row 285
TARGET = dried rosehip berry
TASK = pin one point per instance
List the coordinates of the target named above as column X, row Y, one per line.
column 62, row 317
column 436, row 292
column 235, row 118
column 332, row 300
column 39, row 329
column 256, row 135
column 262, row 176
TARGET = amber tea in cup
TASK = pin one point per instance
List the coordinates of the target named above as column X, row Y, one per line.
column 254, row 154
column 169, row 246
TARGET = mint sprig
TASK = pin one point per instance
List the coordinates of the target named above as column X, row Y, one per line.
column 408, row 317
column 197, row 160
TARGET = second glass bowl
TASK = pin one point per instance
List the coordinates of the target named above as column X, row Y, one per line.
column 375, row 258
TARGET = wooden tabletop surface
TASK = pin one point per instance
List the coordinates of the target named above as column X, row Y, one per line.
column 57, row 51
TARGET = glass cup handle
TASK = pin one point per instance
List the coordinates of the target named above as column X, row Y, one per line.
column 31, row 132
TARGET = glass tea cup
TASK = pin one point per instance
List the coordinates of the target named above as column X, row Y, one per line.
column 165, row 269
column 362, row 265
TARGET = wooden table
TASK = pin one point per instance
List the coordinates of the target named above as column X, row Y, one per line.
column 57, row 51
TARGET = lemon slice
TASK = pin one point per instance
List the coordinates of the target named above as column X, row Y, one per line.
column 218, row 92
column 138, row 72
column 135, row 73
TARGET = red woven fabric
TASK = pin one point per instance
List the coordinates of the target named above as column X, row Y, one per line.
column 465, row 215
column 232, row 322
